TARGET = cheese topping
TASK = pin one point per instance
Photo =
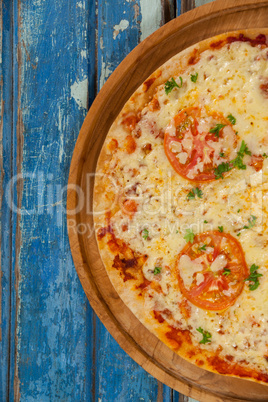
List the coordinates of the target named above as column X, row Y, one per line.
column 219, row 263
column 188, row 268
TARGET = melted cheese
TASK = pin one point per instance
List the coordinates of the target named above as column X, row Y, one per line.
column 219, row 263
column 188, row 268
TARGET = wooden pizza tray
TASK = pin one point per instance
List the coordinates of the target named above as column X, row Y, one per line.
column 161, row 362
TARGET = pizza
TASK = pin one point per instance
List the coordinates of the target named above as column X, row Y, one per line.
column 180, row 204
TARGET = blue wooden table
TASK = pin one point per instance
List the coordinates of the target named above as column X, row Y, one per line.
column 56, row 55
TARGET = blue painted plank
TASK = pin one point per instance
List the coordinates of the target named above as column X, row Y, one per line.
column 118, row 33
column 178, row 7
column 8, row 118
column 54, row 319
column 119, row 378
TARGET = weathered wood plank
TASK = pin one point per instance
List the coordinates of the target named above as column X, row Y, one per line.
column 168, row 10
column 54, row 350
column 202, row 2
column 118, row 377
column 186, row 5
column 8, row 225
column 118, row 33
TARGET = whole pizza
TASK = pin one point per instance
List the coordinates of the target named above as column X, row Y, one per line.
column 180, row 204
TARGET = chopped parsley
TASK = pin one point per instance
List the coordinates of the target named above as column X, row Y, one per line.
column 145, row 234
column 203, row 248
column 189, row 237
column 243, row 149
column 226, row 272
column 238, row 234
column 205, row 221
column 216, row 130
column 221, row 154
column 222, row 168
column 253, row 277
column 194, row 77
column 171, row 84
column 157, row 270
column 238, row 210
column 220, row 228
column 194, row 192
column 251, row 222
column 265, row 155
column 206, row 335
column 237, row 162
column 231, row 119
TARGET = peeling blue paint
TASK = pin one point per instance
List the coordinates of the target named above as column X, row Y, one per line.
column 111, row 51
column 52, row 336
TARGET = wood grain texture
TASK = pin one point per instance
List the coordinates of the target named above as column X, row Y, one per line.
column 9, row 116
column 6, row 117
column 146, row 350
column 183, row 6
column 51, row 352
column 187, row 5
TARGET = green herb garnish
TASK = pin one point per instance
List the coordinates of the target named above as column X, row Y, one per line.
column 189, row 237
column 238, row 161
column 216, row 130
column 253, row 277
column 206, row 335
column 251, row 222
column 222, row 168
column 157, row 270
column 265, row 155
column 221, row 154
column 238, row 210
column 220, row 228
column 145, row 234
column 231, row 119
column 171, row 84
column 194, row 192
column 205, row 221
column 194, row 77
column 203, row 248
column 226, row 272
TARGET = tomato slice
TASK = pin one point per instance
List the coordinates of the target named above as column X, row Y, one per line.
column 211, row 270
column 193, row 151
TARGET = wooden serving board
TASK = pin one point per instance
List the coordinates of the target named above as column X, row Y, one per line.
column 194, row 26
